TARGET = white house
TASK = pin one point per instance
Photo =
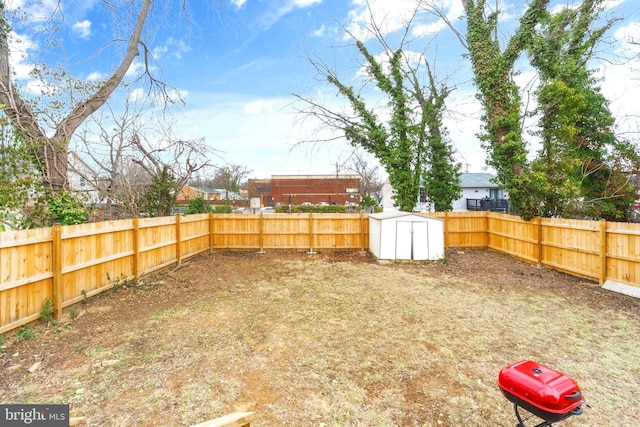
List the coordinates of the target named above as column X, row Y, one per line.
column 475, row 188
column 83, row 179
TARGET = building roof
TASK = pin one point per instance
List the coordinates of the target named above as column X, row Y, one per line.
column 333, row 176
column 472, row 180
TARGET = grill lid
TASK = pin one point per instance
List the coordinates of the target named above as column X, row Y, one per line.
column 541, row 387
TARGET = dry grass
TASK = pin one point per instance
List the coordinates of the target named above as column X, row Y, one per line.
column 333, row 340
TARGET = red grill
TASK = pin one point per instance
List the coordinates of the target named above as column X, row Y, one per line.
column 545, row 393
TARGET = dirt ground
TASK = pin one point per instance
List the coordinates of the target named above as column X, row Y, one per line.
column 328, row 340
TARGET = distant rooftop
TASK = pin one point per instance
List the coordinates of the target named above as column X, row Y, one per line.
column 472, row 180
column 328, row 176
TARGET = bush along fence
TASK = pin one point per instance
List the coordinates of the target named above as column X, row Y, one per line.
column 64, row 265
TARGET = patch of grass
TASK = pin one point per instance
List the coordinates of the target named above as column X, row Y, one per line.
column 25, row 333
column 3, row 343
column 62, row 328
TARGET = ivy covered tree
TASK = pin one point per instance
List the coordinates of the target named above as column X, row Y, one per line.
column 442, row 176
column 499, row 94
column 406, row 135
column 582, row 168
column 401, row 146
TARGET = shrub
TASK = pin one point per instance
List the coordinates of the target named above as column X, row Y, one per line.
column 222, row 209
column 198, row 206
column 46, row 314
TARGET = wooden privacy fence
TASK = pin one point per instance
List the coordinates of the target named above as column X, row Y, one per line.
column 68, row 264
column 596, row 250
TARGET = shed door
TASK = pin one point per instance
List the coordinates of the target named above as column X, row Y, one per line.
column 412, row 240
column 420, row 240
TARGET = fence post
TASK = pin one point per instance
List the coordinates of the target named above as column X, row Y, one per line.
column 446, row 229
column 261, row 236
column 178, row 242
column 362, row 231
column 56, row 254
column 539, row 241
column 136, row 247
column 311, row 234
column 210, row 232
column 603, row 252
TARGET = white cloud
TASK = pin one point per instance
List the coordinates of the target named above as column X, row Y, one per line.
column 427, row 29
column 37, row 11
column 264, row 135
column 621, row 87
column 254, row 107
column 281, row 8
column 610, row 4
column 629, row 38
column 389, row 15
column 159, row 51
column 431, row 24
column 155, row 98
column 393, row 15
column 238, row 3
column 175, row 49
column 82, row 29
column 19, row 47
column 95, row 76
column 137, row 68
column 320, row 31
column 295, row 4
column 137, row 95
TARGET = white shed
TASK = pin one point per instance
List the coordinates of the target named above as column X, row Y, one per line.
column 406, row 236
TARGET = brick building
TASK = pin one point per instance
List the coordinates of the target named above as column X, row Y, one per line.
column 298, row 189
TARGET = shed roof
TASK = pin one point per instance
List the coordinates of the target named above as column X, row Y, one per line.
column 389, row 214
column 401, row 214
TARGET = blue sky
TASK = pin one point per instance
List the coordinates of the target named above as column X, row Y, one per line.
column 236, row 64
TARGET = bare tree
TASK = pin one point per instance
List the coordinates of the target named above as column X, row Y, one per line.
column 52, row 148
column 230, row 177
column 140, row 164
column 369, row 173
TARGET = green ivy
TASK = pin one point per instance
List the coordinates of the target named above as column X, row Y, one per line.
column 65, row 209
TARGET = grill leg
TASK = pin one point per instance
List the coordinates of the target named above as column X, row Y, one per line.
column 521, row 421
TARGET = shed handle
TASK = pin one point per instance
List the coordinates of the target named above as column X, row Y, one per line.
column 575, row 395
